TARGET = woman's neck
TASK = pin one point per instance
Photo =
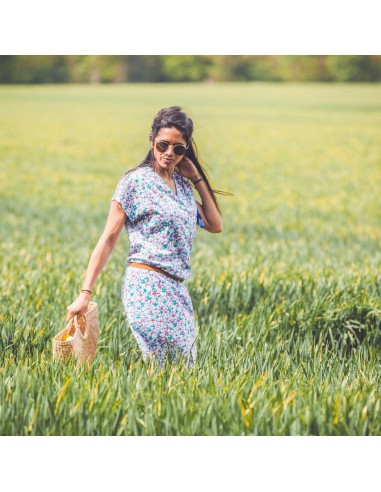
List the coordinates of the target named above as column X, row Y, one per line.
column 164, row 173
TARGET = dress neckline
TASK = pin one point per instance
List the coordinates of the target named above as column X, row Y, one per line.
column 166, row 184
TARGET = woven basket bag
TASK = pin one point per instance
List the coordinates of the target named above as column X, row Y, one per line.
column 85, row 331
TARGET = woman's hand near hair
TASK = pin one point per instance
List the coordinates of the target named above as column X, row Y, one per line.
column 187, row 169
column 208, row 210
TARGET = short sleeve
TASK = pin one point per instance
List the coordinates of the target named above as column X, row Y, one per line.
column 124, row 194
column 200, row 222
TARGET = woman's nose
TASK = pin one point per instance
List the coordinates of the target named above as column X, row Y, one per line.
column 169, row 150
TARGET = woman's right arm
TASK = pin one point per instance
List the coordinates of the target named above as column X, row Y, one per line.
column 99, row 257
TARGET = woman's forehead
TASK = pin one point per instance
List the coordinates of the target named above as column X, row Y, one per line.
column 171, row 135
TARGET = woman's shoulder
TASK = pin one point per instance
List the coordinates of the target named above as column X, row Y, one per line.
column 133, row 176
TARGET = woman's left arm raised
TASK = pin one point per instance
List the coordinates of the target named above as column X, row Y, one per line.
column 208, row 210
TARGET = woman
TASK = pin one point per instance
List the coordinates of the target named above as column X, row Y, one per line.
column 156, row 205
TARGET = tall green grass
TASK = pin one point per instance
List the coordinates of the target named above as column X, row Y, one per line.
column 287, row 298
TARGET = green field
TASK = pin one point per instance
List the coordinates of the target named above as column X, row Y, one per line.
column 287, row 298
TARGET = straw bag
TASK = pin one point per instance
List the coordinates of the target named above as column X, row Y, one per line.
column 80, row 337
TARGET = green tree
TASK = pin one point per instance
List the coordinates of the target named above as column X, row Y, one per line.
column 34, row 69
column 242, row 67
column 221, row 67
column 185, row 68
column 303, row 68
column 6, row 68
column 145, row 68
column 97, row 68
column 262, row 67
column 355, row 68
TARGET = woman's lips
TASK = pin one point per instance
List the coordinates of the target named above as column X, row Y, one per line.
column 167, row 161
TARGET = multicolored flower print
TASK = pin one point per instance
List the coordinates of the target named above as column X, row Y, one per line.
column 161, row 227
column 160, row 313
column 161, row 224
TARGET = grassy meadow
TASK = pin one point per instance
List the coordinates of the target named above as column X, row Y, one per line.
column 287, row 298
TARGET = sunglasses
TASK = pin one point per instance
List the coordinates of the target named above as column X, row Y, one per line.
column 178, row 149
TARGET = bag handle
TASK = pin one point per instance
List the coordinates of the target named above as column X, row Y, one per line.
column 74, row 320
column 77, row 328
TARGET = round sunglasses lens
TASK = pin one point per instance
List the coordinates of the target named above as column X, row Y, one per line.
column 162, row 146
column 179, row 149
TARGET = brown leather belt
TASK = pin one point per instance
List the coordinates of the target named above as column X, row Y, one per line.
column 155, row 269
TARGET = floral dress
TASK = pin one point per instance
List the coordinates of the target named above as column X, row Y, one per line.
column 161, row 226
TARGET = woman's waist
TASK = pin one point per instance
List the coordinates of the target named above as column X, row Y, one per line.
column 175, row 261
column 147, row 266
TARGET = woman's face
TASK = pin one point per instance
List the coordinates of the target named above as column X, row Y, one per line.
column 167, row 160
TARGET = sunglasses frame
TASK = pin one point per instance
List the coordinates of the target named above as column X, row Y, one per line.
column 178, row 145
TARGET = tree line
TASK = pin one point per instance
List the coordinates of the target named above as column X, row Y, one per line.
column 40, row 69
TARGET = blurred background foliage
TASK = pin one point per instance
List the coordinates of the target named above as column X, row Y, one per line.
column 41, row 69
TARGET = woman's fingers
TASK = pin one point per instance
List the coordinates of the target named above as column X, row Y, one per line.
column 77, row 307
column 71, row 312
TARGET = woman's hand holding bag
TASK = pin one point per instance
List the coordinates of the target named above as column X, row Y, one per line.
column 80, row 337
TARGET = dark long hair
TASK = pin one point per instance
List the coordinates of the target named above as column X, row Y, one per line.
column 175, row 117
